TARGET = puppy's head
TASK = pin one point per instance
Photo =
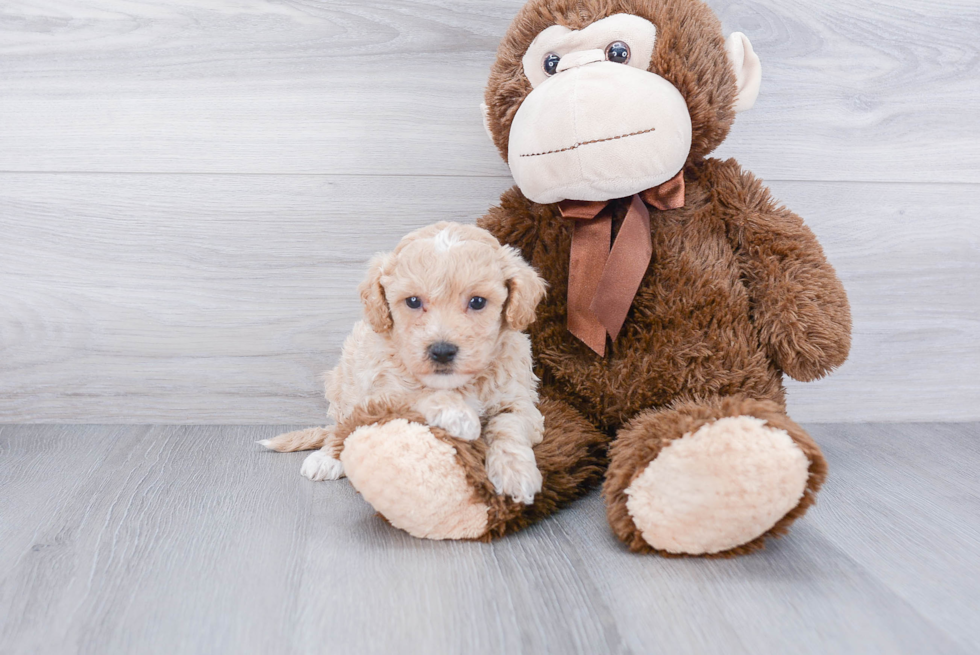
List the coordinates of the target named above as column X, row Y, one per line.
column 444, row 296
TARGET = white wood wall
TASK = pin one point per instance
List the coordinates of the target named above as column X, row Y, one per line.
column 189, row 191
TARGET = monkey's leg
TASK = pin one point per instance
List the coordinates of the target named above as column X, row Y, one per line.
column 711, row 478
column 436, row 487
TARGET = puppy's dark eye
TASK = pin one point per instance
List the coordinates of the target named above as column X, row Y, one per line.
column 551, row 63
column 414, row 302
column 618, row 52
column 476, row 302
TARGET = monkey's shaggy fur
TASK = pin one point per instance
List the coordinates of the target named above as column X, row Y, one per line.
column 738, row 290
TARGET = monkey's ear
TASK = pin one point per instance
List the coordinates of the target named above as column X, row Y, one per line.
column 486, row 120
column 376, row 311
column 525, row 289
column 748, row 70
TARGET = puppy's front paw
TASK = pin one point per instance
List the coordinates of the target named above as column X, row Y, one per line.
column 321, row 466
column 461, row 422
column 513, row 471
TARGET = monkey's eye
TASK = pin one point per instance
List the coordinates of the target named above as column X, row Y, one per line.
column 414, row 302
column 478, row 303
column 618, row 52
column 551, row 63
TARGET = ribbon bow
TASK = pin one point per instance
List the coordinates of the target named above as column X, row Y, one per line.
column 602, row 281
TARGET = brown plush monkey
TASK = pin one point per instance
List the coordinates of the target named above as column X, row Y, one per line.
column 680, row 292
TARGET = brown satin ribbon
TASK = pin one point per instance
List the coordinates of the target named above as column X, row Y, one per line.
column 602, row 281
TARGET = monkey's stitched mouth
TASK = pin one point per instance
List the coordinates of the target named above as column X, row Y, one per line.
column 586, row 143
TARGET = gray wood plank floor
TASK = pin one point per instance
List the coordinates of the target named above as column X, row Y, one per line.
column 163, row 539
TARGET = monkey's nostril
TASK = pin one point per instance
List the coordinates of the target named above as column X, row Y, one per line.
column 443, row 352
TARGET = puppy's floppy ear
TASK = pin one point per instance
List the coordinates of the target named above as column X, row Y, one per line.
column 376, row 310
column 525, row 289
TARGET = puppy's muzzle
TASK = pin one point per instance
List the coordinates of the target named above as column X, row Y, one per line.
column 443, row 352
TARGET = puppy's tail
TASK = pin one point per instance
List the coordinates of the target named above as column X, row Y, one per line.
column 308, row 439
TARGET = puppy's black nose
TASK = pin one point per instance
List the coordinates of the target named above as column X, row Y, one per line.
column 443, row 352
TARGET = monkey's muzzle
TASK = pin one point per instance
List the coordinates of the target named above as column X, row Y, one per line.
column 598, row 130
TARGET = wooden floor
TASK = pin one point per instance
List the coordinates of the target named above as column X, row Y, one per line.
column 189, row 539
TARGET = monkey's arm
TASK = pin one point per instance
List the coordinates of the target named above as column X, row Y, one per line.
column 798, row 304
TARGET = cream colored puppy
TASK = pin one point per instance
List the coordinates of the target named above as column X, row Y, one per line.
column 443, row 315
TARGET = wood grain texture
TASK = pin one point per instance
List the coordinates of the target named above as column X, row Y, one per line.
column 193, row 298
column 852, row 91
column 188, row 192
column 189, row 539
column 223, row 298
column 891, row 479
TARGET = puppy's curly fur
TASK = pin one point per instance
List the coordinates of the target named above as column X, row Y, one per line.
column 451, row 286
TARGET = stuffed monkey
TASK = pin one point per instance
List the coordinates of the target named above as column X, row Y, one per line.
column 680, row 292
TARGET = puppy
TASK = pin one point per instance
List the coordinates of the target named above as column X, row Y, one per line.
column 443, row 315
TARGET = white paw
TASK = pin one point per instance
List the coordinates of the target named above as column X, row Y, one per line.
column 460, row 421
column 513, row 471
column 321, row 466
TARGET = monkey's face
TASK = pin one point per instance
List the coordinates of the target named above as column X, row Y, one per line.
column 589, row 102
column 597, row 124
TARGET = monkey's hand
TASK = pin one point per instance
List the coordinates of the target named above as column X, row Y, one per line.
column 797, row 303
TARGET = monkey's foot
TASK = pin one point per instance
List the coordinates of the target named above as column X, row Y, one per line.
column 414, row 480
column 436, row 487
column 711, row 485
